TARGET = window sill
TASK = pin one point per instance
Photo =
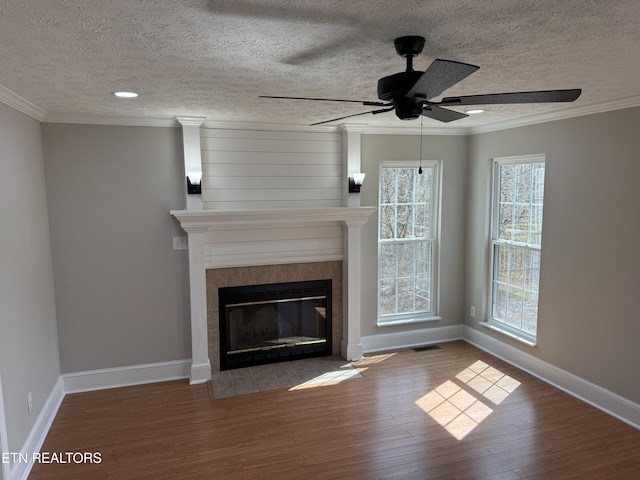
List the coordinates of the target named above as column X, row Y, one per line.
column 404, row 321
column 529, row 341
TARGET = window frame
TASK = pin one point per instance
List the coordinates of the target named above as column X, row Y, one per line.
column 433, row 239
column 492, row 322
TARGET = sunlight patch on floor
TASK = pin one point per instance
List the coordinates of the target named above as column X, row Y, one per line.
column 459, row 405
column 345, row 372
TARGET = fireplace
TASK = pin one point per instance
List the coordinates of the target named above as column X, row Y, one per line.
column 274, row 322
column 250, row 247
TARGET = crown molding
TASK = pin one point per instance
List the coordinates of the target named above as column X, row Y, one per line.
column 114, row 120
column 28, row 108
column 21, row 104
column 565, row 113
column 277, row 127
column 353, row 127
column 379, row 130
column 349, row 127
column 14, row 100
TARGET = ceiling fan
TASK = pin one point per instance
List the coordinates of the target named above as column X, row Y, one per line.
column 409, row 93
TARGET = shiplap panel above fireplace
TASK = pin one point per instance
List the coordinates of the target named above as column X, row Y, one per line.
column 245, row 169
column 257, row 245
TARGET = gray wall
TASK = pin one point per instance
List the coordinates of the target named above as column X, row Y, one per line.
column 28, row 339
column 453, row 151
column 589, row 320
column 121, row 291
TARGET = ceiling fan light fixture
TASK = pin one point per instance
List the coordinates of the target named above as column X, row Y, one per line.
column 125, row 94
column 474, row 111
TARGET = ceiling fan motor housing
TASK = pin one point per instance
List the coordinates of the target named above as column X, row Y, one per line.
column 394, row 89
column 396, row 86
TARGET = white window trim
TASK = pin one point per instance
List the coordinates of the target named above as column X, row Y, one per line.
column 418, row 317
column 491, row 322
column 518, row 335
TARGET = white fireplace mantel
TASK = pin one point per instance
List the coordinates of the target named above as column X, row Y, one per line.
column 197, row 223
column 205, row 219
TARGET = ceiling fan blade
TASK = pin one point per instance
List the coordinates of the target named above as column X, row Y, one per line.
column 442, row 114
column 361, row 102
column 382, row 110
column 440, row 75
column 515, row 97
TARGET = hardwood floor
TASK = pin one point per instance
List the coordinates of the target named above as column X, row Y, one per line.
column 454, row 413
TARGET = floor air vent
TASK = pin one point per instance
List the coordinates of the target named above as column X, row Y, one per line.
column 427, row 347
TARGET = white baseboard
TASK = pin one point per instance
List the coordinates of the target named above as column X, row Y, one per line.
column 124, row 376
column 88, row 381
column 33, row 443
column 601, row 398
column 411, row 338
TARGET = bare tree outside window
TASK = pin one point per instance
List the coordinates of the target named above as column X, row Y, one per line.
column 517, row 241
column 406, row 242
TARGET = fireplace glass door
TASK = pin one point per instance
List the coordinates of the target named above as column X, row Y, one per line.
column 275, row 322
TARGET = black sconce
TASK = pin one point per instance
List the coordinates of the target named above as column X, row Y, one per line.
column 355, row 182
column 194, row 183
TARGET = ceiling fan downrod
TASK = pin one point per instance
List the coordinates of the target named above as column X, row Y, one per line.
column 409, row 47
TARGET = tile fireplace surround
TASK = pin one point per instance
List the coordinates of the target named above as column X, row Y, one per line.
column 248, row 247
column 265, row 274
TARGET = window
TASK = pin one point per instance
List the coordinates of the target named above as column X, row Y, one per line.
column 407, row 249
column 518, row 193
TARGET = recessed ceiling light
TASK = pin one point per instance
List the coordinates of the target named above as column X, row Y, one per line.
column 125, row 94
column 474, row 111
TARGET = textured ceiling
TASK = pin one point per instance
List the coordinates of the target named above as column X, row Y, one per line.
column 213, row 58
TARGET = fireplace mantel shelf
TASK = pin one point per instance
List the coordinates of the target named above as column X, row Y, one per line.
column 204, row 219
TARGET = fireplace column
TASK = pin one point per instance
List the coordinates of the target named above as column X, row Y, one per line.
column 351, row 348
column 200, row 365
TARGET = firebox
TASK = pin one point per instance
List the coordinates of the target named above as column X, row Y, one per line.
column 274, row 322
